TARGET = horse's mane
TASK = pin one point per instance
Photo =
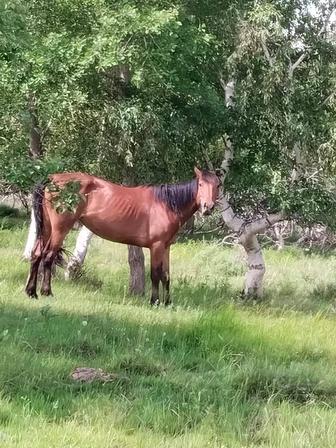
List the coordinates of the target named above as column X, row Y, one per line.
column 176, row 196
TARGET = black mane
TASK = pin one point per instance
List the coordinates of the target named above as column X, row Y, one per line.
column 176, row 196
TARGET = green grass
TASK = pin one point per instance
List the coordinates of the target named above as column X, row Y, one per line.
column 209, row 372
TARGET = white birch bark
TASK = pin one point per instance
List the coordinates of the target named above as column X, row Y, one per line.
column 246, row 231
column 247, row 236
column 77, row 259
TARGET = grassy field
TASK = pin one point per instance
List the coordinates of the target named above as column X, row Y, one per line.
column 209, row 372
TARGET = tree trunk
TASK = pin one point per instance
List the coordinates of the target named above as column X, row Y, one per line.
column 118, row 78
column 247, row 231
column 77, row 259
column 256, row 269
column 136, row 262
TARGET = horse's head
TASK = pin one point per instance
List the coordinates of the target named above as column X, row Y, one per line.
column 207, row 192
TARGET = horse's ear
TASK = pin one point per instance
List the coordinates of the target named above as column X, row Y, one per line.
column 197, row 172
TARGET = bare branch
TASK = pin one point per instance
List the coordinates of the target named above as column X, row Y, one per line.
column 294, row 66
column 329, row 97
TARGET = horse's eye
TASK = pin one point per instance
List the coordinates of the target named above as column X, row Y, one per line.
column 200, row 184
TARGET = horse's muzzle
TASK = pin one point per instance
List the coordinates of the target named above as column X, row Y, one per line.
column 207, row 210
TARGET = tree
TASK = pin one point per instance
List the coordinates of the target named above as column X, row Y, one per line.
column 82, row 87
column 137, row 88
column 287, row 113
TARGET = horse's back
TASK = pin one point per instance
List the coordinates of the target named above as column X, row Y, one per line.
column 118, row 213
column 112, row 211
column 85, row 180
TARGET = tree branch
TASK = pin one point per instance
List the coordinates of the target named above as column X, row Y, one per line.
column 294, row 66
column 261, row 224
column 267, row 53
column 230, row 218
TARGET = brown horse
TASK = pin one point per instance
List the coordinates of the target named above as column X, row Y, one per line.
column 146, row 216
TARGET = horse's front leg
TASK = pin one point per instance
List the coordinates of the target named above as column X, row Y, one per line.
column 157, row 253
column 165, row 277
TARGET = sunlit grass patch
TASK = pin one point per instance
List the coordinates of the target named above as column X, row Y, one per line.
column 210, row 371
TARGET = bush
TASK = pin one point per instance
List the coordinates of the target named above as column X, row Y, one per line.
column 6, row 210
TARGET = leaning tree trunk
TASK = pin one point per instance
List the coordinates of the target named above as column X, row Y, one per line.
column 247, row 236
column 256, row 269
column 246, row 231
column 136, row 261
column 75, row 263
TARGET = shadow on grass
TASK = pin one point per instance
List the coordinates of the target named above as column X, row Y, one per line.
column 195, row 367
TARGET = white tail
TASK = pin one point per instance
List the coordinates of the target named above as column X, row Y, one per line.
column 32, row 235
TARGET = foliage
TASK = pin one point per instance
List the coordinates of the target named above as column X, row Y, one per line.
column 24, row 173
column 132, row 91
column 65, row 198
column 150, row 127
column 283, row 116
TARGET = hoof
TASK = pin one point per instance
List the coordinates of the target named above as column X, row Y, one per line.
column 31, row 293
column 46, row 292
column 155, row 302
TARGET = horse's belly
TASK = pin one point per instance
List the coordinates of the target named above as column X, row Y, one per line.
column 126, row 232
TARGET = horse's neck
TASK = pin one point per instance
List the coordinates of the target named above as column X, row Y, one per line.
column 187, row 213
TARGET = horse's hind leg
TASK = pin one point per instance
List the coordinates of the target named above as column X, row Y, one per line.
column 48, row 260
column 50, row 253
column 34, row 267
